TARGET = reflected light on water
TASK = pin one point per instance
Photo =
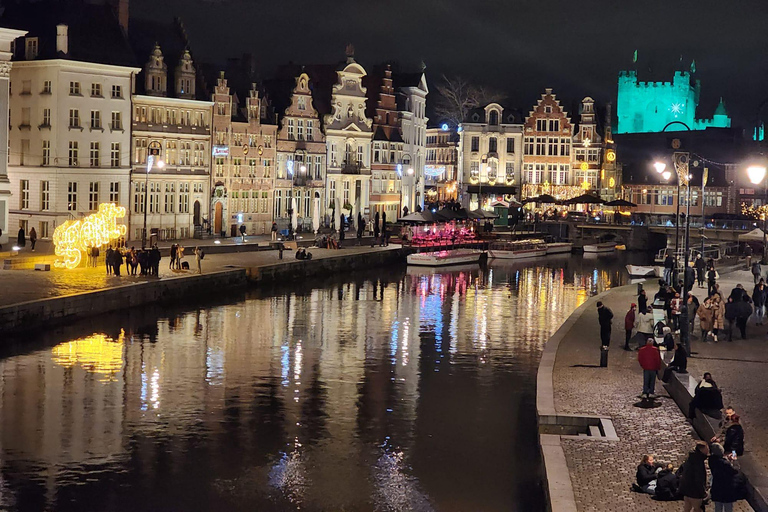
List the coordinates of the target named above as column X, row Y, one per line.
column 97, row 353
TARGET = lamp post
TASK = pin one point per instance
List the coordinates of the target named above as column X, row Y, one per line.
column 160, row 165
column 411, row 190
column 756, row 175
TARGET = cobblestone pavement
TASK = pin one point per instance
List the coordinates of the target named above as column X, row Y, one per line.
column 602, row 471
column 25, row 285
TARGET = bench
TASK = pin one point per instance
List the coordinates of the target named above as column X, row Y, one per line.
column 45, row 267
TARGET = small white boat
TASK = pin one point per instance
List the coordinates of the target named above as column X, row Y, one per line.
column 641, row 270
column 518, row 249
column 445, row 258
column 600, row 248
column 559, row 247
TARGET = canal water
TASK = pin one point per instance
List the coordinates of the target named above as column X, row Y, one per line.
column 390, row 390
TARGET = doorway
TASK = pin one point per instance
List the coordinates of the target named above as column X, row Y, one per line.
column 217, row 218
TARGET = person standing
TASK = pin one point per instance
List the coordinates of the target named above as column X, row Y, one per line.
column 642, row 302
column 693, row 478
column 669, row 266
column 675, row 310
column 650, row 361
column 21, row 240
column 725, row 490
column 342, row 229
column 199, row 255
column 173, row 256
column 718, row 317
column 32, row 238
column 758, row 298
column 376, row 229
column 644, row 326
column 734, row 436
column 117, row 261
column 274, row 231
column 108, row 259
column 711, row 280
column 604, row 317
column 242, row 232
column 179, row 256
column 700, row 266
column 748, row 255
column 743, row 312
column 757, row 271
column 629, row 324
column 730, row 317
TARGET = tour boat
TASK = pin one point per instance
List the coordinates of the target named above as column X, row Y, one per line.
column 518, row 249
column 559, row 247
column 641, row 270
column 600, row 248
column 445, row 258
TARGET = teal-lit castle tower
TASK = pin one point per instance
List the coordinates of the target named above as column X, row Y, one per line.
column 644, row 107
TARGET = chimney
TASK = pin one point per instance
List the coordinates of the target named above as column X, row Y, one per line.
column 62, row 39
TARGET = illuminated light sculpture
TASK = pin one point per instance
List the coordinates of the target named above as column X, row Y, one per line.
column 75, row 236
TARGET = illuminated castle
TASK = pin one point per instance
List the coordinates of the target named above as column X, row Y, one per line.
column 651, row 106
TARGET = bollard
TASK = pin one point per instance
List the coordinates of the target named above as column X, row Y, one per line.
column 603, row 357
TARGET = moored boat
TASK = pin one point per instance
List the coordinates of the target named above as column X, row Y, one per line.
column 518, row 249
column 641, row 270
column 600, row 248
column 445, row 258
column 559, row 247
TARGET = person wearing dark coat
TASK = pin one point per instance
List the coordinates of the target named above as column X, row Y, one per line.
column 727, row 485
column 117, row 261
column 707, row 398
column 360, row 225
column 690, row 278
column 629, row 324
column 731, row 313
column 604, row 317
column 642, row 302
column 384, row 233
column 711, row 281
column 376, row 229
column 21, row 241
column 699, row 265
column 743, row 312
column 759, row 295
column 646, row 473
column 734, row 436
column 693, row 478
column 108, row 259
column 678, row 364
column 342, row 229
column 669, row 266
column 667, row 485
column 737, row 293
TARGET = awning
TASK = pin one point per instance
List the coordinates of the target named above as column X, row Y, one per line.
column 491, row 189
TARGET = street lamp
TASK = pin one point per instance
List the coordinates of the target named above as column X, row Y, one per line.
column 160, row 165
column 756, row 175
column 411, row 192
column 659, row 166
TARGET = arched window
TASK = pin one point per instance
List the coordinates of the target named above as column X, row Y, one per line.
column 493, row 118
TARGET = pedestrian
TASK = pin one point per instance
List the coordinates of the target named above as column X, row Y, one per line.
column 117, row 261
column 642, row 302
column 360, row 225
column 743, row 312
column 727, row 486
column 690, row 278
column 629, row 324
column 95, row 253
column 738, row 292
column 342, row 229
column 759, row 295
column 108, row 259
column 274, row 231
column 730, row 318
column 173, row 256
column 734, row 436
column 179, row 256
column 757, row 271
column 748, row 255
column 693, row 307
column 669, row 266
column 644, row 327
column 650, row 361
column 700, row 266
column 693, row 478
column 21, row 240
column 384, row 234
column 678, row 364
column 155, row 258
column 707, row 398
column 706, row 318
column 717, row 309
column 675, row 310
column 199, row 255
column 604, row 317
column 32, row 238
column 711, row 281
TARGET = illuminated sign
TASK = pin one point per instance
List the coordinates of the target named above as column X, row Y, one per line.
column 434, row 170
column 399, row 170
column 444, row 127
column 611, row 182
column 610, row 155
column 584, row 166
column 75, row 236
column 220, row 150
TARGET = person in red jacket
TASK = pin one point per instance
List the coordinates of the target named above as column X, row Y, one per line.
column 650, row 361
column 629, row 324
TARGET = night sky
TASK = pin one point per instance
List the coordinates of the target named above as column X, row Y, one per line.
column 516, row 46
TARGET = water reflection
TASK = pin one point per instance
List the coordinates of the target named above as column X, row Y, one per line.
column 394, row 390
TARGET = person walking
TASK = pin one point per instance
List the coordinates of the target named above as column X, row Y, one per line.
column 199, row 255
column 718, row 317
column 644, row 327
column 743, row 312
column 711, row 281
column 669, row 266
column 642, row 302
column 758, row 299
column 748, row 255
column 242, row 232
column 730, row 317
column 675, row 309
column 700, row 266
column 274, row 231
column 693, row 307
column 117, row 261
column 629, row 325
column 108, row 259
column 757, row 271
column 173, row 256
column 32, row 238
column 604, row 317
column 650, row 361
column 21, row 240
column 693, row 478
column 726, row 488
column 706, row 318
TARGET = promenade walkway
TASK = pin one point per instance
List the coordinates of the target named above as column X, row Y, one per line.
column 27, row 285
column 601, row 472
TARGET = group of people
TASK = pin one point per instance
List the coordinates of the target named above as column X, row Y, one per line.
column 689, row 482
column 21, row 239
column 146, row 261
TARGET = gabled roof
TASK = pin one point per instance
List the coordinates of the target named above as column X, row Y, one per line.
column 94, row 33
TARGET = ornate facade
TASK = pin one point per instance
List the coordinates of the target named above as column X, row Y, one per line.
column 440, row 170
column 387, row 165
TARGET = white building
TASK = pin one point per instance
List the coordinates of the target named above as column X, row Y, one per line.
column 348, row 141
column 7, row 36
column 412, row 93
column 69, row 132
column 490, row 156
column 177, row 132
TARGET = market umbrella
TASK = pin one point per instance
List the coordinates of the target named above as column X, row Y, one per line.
column 448, row 214
column 483, row 214
column 416, row 218
column 620, row 203
column 542, row 199
column 585, row 199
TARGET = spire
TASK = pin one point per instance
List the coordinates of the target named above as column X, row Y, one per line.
column 721, row 110
column 350, row 51
column 693, row 69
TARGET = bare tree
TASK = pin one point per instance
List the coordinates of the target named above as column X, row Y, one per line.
column 457, row 97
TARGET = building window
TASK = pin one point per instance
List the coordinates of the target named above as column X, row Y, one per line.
column 117, row 91
column 96, row 90
column 93, row 196
column 74, row 88
column 46, row 118
column 278, row 203
column 528, row 146
column 510, row 145
column 114, row 192
column 541, row 143
column 47, row 87
column 154, row 197
column 170, row 192
column 45, row 195
column 74, row 118
column 138, row 197
column 219, row 169
column 117, row 120
column 541, row 125
column 554, row 125
column 475, row 144
column 73, row 153
column 31, row 48
column 318, row 167
column 43, row 229
column 510, row 170
column 565, row 147
column 114, row 155
column 346, row 193
column 552, row 146
column 359, row 155
column 72, row 196
column 251, row 167
column 24, row 195
column 492, row 145
column 332, row 191
column 95, row 119
column 291, row 135
column 300, row 129
column 310, row 128
column 95, row 156
column 302, row 103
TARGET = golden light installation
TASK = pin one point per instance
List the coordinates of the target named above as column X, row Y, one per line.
column 75, row 236
column 97, row 353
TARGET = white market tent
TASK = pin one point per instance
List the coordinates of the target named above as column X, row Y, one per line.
column 756, row 235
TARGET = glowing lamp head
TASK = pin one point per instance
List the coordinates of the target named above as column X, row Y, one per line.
column 410, row 171
column 756, row 173
column 160, row 164
column 303, row 168
column 660, row 166
column 666, row 175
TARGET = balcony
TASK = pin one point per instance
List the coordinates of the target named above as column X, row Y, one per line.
column 353, row 168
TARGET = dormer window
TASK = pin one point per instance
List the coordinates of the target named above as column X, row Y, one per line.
column 31, row 48
column 493, row 118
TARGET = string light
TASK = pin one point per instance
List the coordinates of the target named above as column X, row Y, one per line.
column 754, row 212
column 75, row 236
